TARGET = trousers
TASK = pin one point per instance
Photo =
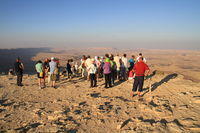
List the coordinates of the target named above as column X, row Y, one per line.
column 138, row 82
column 108, row 80
column 93, row 80
column 19, row 79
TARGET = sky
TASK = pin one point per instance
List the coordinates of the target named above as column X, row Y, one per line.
column 156, row 24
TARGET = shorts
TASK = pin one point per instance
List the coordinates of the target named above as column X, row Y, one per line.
column 53, row 77
column 40, row 75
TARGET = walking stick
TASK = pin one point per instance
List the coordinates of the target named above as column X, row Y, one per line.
column 150, row 84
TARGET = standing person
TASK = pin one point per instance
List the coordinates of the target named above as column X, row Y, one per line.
column 19, row 68
column 76, row 68
column 131, row 62
column 116, row 59
column 69, row 69
column 107, row 71
column 40, row 74
column 92, row 70
column 46, row 70
column 88, row 62
column 57, row 70
column 72, row 67
column 113, row 70
column 122, row 75
column 131, row 65
column 141, row 69
column 98, row 64
column 83, row 67
column 140, row 55
column 125, row 61
column 101, row 67
column 53, row 71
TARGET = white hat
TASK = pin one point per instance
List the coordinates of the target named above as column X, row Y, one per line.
column 52, row 58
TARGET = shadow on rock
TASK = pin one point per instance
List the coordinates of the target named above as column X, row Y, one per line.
column 164, row 80
column 151, row 75
column 8, row 57
column 28, row 127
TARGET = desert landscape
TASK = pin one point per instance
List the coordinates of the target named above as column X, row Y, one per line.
column 173, row 105
column 166, row 32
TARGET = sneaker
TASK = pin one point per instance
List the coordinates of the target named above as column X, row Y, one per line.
column 139, row 95
column 132, row 94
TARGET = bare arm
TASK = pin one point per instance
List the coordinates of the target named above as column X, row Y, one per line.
column 22, row 66
column 147, row 72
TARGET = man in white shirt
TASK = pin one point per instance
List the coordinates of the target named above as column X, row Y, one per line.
column 125, row 61
column 116, row 60
column 88, row 62
column 92, row 70
column 53, row 66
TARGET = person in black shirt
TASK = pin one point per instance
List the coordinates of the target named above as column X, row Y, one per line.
column 68, row 67
column 19, row 67
column 46, row 69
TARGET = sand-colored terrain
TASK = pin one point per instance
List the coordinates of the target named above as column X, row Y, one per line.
column 172, row 106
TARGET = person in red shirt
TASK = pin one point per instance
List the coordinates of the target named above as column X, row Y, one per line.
column 140, row 69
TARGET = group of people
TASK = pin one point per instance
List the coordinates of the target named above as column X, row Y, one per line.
column 47, row 70
column 110, row 67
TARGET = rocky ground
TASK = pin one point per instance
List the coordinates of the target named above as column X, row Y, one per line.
column 172, row 106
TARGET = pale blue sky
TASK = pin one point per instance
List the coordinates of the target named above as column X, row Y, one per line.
column 111, row 23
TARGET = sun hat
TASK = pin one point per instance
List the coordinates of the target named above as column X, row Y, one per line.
column 52, row 58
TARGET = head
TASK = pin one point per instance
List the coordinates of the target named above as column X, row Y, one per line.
column 52, row 59
column 124, row 55
column 111, row 58
column 18, row 59
column 39, row 61
column 133, row 56
column 140, row 54
column 140, row 59
column 88, row 56
column 120, row 61
column 46, row 60
column 107, row 55
column 84, row 57
column 93, row 61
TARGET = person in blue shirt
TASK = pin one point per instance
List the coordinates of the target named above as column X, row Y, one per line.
column 131, row 62
column 53, row 71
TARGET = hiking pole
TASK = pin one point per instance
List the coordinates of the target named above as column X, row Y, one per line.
column 150, row 84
